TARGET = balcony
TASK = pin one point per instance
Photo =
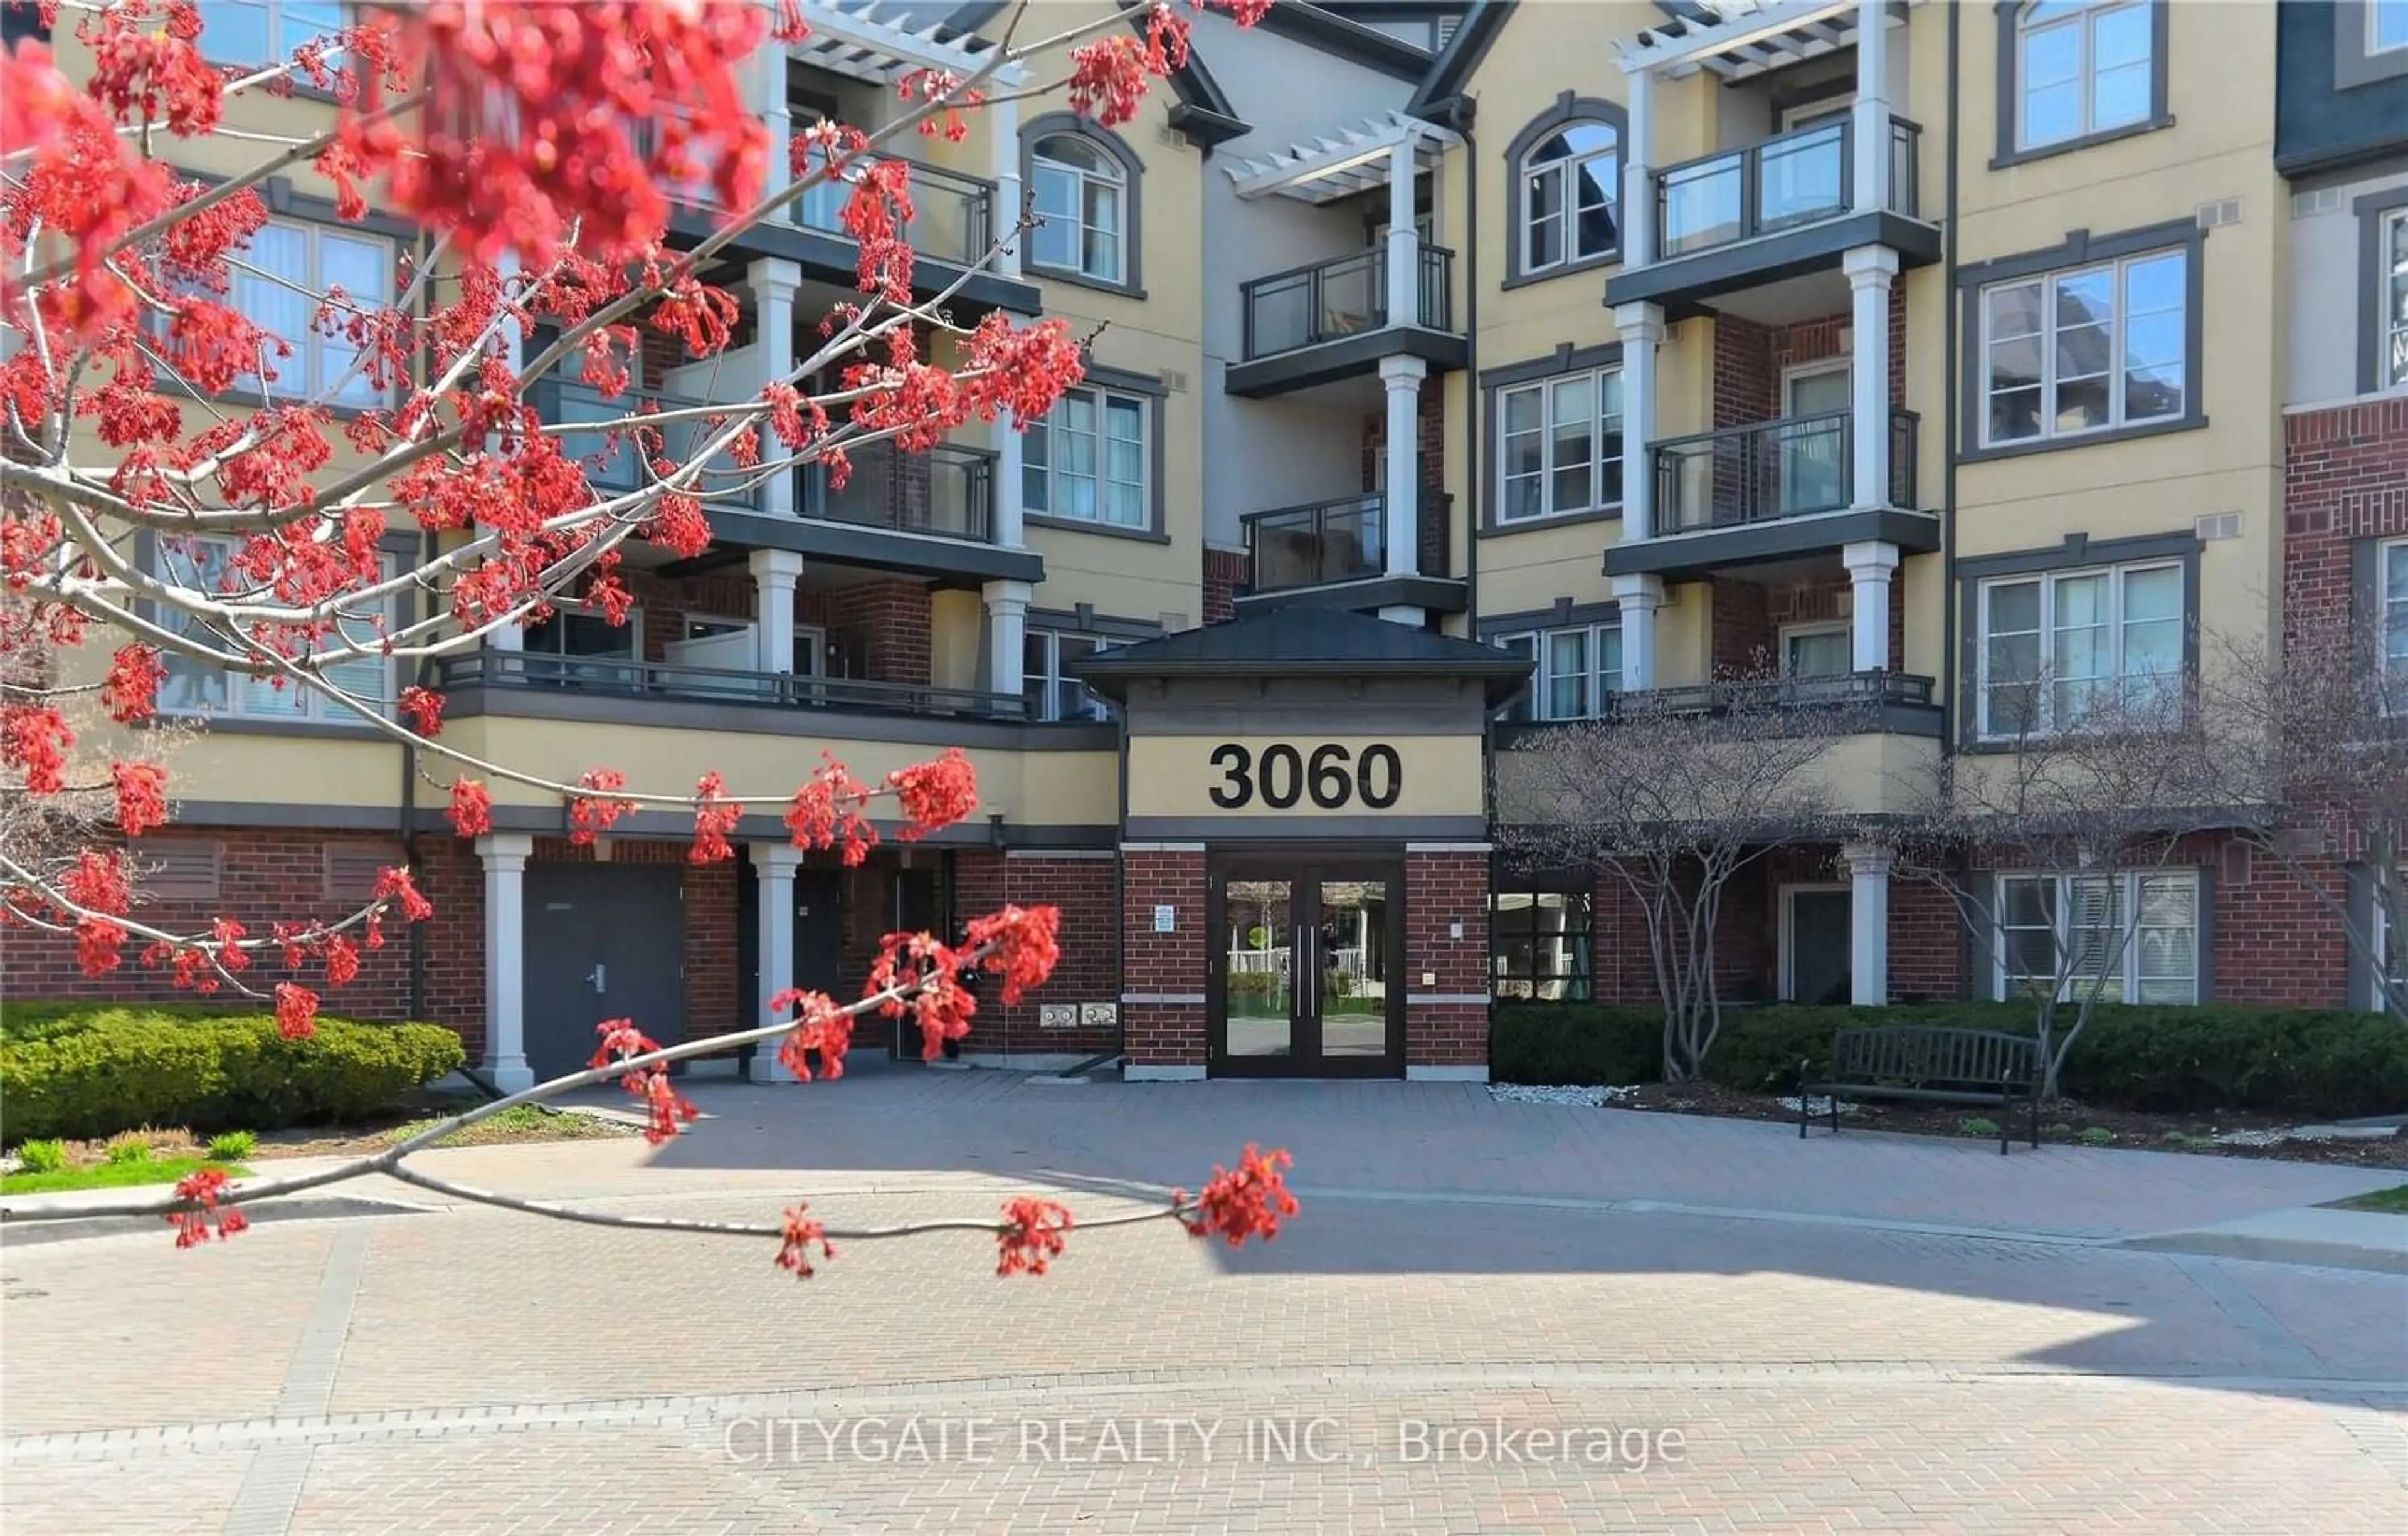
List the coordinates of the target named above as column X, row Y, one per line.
column 1772, row 210
column 616, row 462
column 1332, row 319
column 952, row 214
column 1334, row 554
column 608, row 678
column 946, row 492
column 1899, row 702
column 1771, row 491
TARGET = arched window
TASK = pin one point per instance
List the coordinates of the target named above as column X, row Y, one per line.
column 2083, row 67
column 1080, row 193
column 1564, row 172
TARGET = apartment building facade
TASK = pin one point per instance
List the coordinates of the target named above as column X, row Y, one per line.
column 1458, row 368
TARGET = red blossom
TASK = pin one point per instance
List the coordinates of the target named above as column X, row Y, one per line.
column 827, row 809
column 97, row 886
column 668, row 1111
column 34, row 738
column 296, row 1011
column 226, row 937
column 795, row 1253
column 130, row 692
column 153, row 75
column 822, row 1027
column 395, row 886
column 141, row 796
column 1031, row 1235
column 1025, row 945
column 83, row 184
column 342, row 960
column 472, row 809
column 1250, row 1200
column 593, row 814
column 425, row 708
column 714, row 818
column 202, row 1217
column 935, row 795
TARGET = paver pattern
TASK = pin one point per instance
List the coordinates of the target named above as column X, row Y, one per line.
column 1490, row 1318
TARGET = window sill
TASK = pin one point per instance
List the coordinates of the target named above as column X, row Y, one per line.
column 1519, row 278
column 252, row 725
column 1496, row 529
column 1972, row 455
column 1031, row 272
column 1109, row 531
column 2006, row 158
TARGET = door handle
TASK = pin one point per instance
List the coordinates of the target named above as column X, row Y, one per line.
column 1307, row 973
column 596, row 979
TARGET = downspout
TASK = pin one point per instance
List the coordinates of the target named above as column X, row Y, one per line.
column 1952, row 664
column 1460, row 115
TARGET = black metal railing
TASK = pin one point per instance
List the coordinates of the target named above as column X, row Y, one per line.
column 1848, row 694
column 953, row 213
column 1799, row 178
column 1789, row 468
column 614, row 677
column 620, row 461
column 948, row 490
column 1345, row 539
column 1307, row 306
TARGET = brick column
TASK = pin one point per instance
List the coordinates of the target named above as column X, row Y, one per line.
column 1446, row 961
column 1162, row 974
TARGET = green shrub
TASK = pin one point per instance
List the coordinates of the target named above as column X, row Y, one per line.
column 2097, row 1135
column 1577, row 1043
column 1977, row 1125
column 1253, row 983
column 126, row 1149
column 232, row 1146
column 91, row 1071
column 42, row 1157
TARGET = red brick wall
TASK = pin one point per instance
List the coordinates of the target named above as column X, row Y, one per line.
column 1749, row 359
column 1926, row 943
column 1748, row 618
column 1225, row 572
column 1089, row 968
column 1442, row 889
column 1158, row 1034
column 882, row 627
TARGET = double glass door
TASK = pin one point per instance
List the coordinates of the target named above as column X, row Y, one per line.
column 1307, row 977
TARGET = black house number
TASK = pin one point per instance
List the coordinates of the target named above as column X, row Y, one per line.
column 1332, row 775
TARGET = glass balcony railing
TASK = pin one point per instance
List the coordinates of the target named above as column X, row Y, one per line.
column 948, row 492
column 618, row 459
column 1346, row 295
column 953, row 214
column 619, row 677
column 1342, row 540
column 1797, row 179
column 1791, row 467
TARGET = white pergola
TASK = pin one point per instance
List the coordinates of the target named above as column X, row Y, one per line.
column 867, row 41
column 1350, row 160
column 1738, row 38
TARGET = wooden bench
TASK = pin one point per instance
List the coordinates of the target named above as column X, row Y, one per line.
column 1929, row 1062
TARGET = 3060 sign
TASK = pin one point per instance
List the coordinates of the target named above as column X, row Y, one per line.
column 1331, row 775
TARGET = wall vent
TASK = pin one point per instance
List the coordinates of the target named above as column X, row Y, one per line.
column 1175, row 380
column 1169, row 137
column 2307, row 205
column 2219, row 525
column 2212, row 215
column 179, row 871
column 351, row 868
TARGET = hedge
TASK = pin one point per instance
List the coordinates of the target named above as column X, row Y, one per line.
column 2307, row 1061
column 93, row 1070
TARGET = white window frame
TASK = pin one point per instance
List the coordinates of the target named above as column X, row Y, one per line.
column 1600, row 463
column 1567, row 215
column 2121, row 369
column 2085, row 24
column 2375, row 11
column 2388, row 624
column 2391, row 297
column 1048, row 459
column 2125, row 984
column 257, row 698
column 275, row 19
column 2114, row 623
column 1113, row 175
column 1600, row 682
column 1845, row 629
column 1053, row 680
column 315, row 364
column 2379, row 945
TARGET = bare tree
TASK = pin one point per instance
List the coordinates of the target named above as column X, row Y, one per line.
column 1670, row 796
column 2096, row 783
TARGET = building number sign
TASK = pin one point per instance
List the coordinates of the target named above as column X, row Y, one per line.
column 1332, row 775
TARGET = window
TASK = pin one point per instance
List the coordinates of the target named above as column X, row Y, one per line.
column 2082, row 67
column 2394, row 597
column 277, row 283
column 194, row 688
column 1817, row 651
column 1079, row 193
column 1579, row 671
column 2387, row 948
column 2135, row 934
column 1571, row 189
column 1086, row 460
column 1561, row 449
column 2386, row 25
column 1538, row 946
column 2054, row 645
column 2088, row 350
column 2391, row 294
column 258, row 32
column 1049, row 690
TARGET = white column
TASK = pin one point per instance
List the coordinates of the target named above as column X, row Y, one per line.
column 1642, row 331
column 1010, row 522
column 1869, row 564
column 1868, row 923
column 1869, row 120
column 1003, row 121
column 765, row 92
column 1007, row 636
column 1404, row 245
column 774, row 284
column 506, row 855
column 1638, row 597
column 774, row 574
column 1401, row 377
column 1869, row 269
column 773, row 872
column 1638, row 177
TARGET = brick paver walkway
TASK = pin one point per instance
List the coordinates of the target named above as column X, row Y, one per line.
column 1491, row 1317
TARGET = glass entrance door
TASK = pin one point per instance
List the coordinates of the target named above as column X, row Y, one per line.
column 1307, row 968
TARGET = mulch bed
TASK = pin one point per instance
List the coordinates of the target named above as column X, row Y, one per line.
column 2061, row 1120
column 379, row 1133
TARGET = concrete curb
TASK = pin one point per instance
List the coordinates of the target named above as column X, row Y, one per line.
column 2371, row 1241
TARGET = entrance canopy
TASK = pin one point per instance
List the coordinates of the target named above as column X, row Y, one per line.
column 1300, row 643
